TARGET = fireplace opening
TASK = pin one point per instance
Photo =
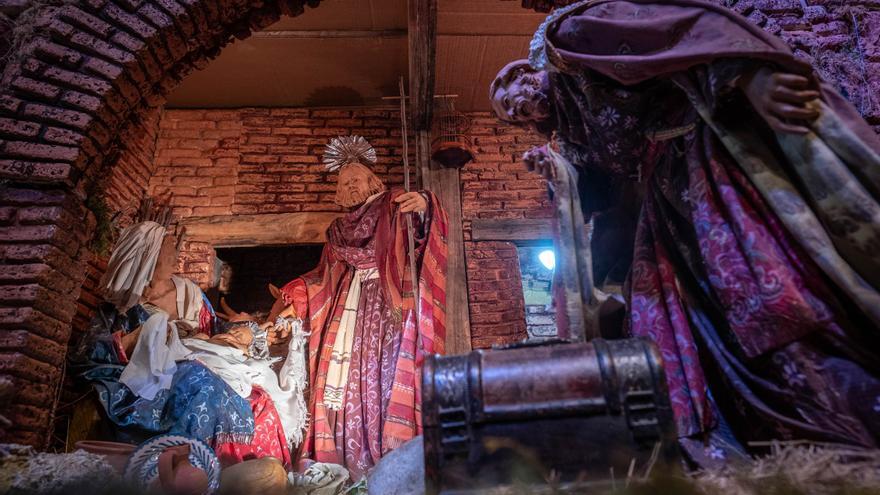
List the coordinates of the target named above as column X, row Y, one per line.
column 246, row 272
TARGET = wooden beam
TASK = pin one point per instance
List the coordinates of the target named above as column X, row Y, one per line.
column 328, row 34
column 446, row 184
column 260, row 230
column 443, row 182
column 422, row 29
column 515, row 230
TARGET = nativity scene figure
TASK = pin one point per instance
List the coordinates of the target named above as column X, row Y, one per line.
column 368, row 337
column 162, row 361
column 754, row 265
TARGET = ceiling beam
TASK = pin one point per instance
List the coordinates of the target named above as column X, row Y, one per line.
column 422, row 28
column 323, row 34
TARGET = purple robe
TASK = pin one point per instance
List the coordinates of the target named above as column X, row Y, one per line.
column 755, row 277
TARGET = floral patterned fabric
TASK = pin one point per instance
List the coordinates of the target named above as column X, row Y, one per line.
column 759, row 296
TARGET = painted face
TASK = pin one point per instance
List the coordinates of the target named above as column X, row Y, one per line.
column 166, row 262
column 521, row 96
column 354, row 184
column 238, row 337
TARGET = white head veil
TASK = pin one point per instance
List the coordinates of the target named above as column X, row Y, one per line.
column 132, row 263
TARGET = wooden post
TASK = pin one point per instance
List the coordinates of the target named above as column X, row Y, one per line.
column 445, row 183
column 422, row 48
column 575, row 316
column 441, row 181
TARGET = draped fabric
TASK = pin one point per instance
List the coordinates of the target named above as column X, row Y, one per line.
column 132, row 263
column 268, row 440
column 382, row 407
column 197, row 403
column 755, row 267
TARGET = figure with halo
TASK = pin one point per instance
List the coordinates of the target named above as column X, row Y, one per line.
column 368, row 335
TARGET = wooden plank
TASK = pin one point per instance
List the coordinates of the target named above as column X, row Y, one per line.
column 422, row 46
column 334, row 34
column 518, row 229
column 446, row 184
column 575, row 314
column 260, row 230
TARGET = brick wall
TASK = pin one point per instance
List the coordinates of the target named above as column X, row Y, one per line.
column 85, row 70
column 41, row 234
column 253, row 161
column 497, row 185
column 125, row 187
column 78, row 75
column 258, row 161
column 841, row 39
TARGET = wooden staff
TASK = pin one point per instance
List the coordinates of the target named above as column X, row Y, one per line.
column 410, row 231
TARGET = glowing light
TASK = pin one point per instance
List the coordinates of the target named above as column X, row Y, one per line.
column 548, row 259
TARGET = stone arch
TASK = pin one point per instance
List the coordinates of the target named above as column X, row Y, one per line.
column 78, row 75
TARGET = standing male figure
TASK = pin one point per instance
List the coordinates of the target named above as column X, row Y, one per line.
column 755, row 266
column 367, row 340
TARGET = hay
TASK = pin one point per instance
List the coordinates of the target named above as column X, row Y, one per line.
column 792, row 468
column 24, row 471
column 798, row 468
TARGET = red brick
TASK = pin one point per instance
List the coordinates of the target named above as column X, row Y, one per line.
column 41, row 151
column 62, row 136
column 35, row 171
column 216, row 191
column 296, row 131
column 245, row 209
column 64, row 116
column 128, row 42
column 34, row 87
column 252, row 198
column 330, row 114
column 86, row 83
column 16, row 127
column 259, row 159
column 130, row 21
column 297, row 198
column 206, row 211
column 191, row 201
column 85, row 20
column 251, row 139
column 287, row 112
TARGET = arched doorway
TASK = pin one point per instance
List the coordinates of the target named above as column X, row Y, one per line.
column 77, row 78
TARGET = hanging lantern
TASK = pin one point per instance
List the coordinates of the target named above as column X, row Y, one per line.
column 451, row 146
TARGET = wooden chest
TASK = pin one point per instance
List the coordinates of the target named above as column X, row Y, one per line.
column 553, row 412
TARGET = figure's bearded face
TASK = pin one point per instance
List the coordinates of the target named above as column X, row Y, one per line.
column 519, row 95
column 356, row 183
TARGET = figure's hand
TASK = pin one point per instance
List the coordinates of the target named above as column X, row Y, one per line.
column 538, row 160
column 781, row 99
column 275, row 335
column 411, row 201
